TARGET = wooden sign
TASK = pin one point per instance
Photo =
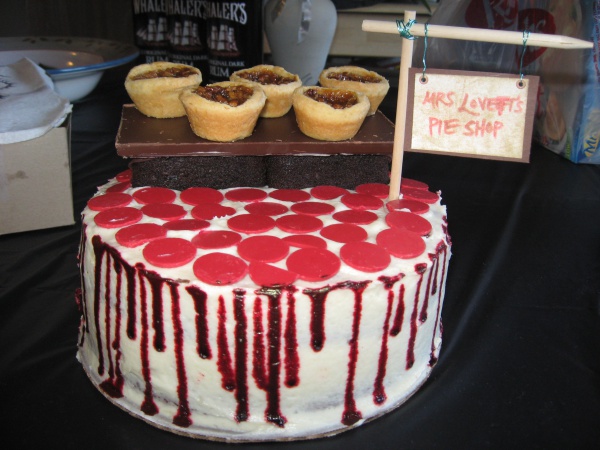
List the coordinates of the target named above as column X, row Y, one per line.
column 471, row 114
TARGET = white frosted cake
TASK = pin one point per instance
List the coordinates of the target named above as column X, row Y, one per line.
column 258, row 314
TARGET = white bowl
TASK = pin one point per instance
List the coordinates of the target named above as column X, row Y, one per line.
column 74, row 64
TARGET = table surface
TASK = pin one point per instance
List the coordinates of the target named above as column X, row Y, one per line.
column 520, row 361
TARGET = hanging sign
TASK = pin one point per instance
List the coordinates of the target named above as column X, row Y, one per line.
column 472, row 114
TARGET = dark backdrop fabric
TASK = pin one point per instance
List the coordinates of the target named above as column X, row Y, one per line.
column 520, row 361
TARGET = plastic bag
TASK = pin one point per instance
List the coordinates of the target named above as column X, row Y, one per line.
column 567, row 119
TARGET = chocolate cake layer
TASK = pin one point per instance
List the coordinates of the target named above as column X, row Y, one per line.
column 282, row 172
column 183, row 172
column 347, row 171
column 144, row 137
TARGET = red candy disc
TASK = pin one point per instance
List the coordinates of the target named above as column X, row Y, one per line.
column 344, row 232
column 266, row 208
column 355, row 216
column 220, row 268
column 420, row 195
column 290, row 195
column 268, row 275
column 109, row 200
column 413, row 184
column 169, row 252
column 139, row 233
column 408, row 221
column 208, row 211
column 299, row 223
column 327, row 192
column 365, row 256
column 404, row 203
column 361, row 201
column 305, row 241
column 198, row 195
column 164, row 211
column 251, row 223
column 118, row 217
column 186, row 224
column 378, row 190
column 124, row 176
column 246, row 195
column 401, row 243
column 313, row 208
column 149, row 195
column 214, row 239
column 263, row 249
column 313, row 264
column 119, row 187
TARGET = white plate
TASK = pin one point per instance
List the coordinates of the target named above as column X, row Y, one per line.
column 74, row 64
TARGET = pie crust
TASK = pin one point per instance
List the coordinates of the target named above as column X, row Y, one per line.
column 218, row 121
column 320, row 120
column 154, row 88
column 279, row 94
column 374, row 90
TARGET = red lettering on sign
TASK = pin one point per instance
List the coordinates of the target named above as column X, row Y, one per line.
column 478, row 128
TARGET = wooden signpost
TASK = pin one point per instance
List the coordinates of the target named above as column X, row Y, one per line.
column 476, row 114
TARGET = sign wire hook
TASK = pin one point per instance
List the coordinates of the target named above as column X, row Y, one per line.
column 525, row 38
column 423, row 78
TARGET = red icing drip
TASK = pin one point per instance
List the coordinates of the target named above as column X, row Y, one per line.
column 379, row 395
column 202, row 344
column 259, row 370
column 241, row 353
column 83, row 307
column 131, row 303
column 156, row 285
column 442, row 248
column 113, row 385
column 223, row 355
column 351, row 414
column 99, row 250
column 425, row 305
column 273, row 411
column 107, row 385
column 410, row 352
column 399, row 316
column 291, row 358
column 317, row 316
column 182, row 417
column 148, row 406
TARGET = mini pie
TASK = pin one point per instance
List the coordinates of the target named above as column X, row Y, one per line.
column 226, row 111
column 373, row 85
column 278, row 84
column 154, row 88
column 329, row 114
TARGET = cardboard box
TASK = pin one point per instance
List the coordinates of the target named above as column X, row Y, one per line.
column 35, row 182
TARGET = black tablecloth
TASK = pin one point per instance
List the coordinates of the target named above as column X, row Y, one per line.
column 520, row 361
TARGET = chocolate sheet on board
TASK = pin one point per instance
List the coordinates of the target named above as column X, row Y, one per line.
column 144, row 137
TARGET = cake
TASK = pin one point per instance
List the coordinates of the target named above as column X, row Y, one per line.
column 261, row 314
column 329, row 114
